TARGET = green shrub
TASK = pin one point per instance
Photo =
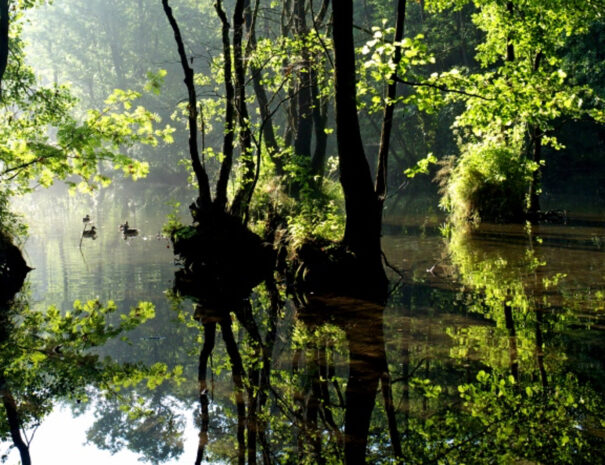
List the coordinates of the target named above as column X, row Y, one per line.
column 489, row 182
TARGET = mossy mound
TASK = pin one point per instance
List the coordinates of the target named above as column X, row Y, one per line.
column 222, row 259
column 13, row 269
column 325, row 268
column 489, row 182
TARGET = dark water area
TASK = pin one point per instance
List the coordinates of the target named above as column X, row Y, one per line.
column 490, row 349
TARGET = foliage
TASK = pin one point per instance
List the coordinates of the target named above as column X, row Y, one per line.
column 50, row 356
column 489, row 181
column 523, row 88
column 31, row 155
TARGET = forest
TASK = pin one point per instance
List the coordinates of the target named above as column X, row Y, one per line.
column 302, row 232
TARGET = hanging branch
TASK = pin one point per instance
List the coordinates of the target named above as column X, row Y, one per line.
column 198, row 169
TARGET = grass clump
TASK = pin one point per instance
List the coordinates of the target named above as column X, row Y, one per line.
column 489, row 182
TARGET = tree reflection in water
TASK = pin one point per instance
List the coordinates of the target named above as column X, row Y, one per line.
column 291, row 408
column 504, row 367
column 48, row 357
column 486, row 379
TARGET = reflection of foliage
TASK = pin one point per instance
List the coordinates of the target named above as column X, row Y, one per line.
column 46, row 357
column 501, row 421
column 147, row 426
column 524, row 405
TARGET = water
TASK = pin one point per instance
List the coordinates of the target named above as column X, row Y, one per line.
column 493, row 344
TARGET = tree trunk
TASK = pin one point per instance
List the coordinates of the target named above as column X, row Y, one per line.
column 4, row 22
column 320, row 118
column 198, row 169
column 512, row 342
column 534, row 186
column 268, row 130
column 362, row 228
column 209, row 339
column 242, row 198
column 14, row 423
column 387, row 119
column 220, row 200
column 366, row 341
column 238, row 374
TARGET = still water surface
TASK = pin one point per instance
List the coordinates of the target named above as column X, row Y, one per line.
column 493, row 344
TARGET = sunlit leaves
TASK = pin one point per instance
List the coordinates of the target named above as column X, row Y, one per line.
column 378, row 67
column 155, row 81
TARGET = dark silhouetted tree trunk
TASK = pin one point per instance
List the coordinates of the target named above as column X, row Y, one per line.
column 363, row 210
column 366, row 341
column 209, row 340
column 241, row 201
column 221, row 187
column 238, row 374
column 387, row 118
column 512, row 341
column 14, row 422
column 268, row 131
column 304, row 126
column 198, row 169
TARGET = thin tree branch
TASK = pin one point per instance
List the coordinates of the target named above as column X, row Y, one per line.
column 441, row 88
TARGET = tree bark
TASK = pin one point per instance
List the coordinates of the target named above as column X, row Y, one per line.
column 512, row 342
column 362, row 227
column 241, row 201
column 14, row 423
column 262, row 100
column 220, row 200
column 209, row 340
column 365, row 338
column 238, row 374
column 304, row 126
column 320, row 118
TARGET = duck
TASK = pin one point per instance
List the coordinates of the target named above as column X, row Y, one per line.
column 86, row 219
column 92, row 232
column 128, row 231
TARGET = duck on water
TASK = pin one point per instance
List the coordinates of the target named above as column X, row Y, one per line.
column 128, row 231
